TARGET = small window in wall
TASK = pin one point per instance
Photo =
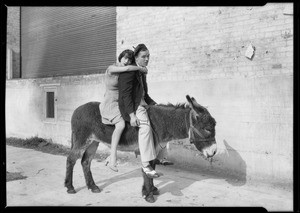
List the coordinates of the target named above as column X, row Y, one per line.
column 49, row 103
column 50, row 113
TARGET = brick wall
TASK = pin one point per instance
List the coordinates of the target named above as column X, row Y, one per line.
column 210, row 42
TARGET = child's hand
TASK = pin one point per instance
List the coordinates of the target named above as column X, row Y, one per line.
column 144, row 70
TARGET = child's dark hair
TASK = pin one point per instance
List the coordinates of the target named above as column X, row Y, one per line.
column 128, row 53
column 139, row 48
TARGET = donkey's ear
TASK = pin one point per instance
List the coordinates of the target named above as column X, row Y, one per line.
column 193, row 104
column 188, row 98
column 190, row 101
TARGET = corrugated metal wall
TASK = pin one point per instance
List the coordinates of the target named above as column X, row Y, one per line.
column 60, row 41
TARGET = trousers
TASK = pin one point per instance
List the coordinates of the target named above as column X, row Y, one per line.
column 145, row 136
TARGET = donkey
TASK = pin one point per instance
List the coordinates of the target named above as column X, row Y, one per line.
column 168, row 122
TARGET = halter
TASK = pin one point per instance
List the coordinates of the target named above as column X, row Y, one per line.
column 193, row 130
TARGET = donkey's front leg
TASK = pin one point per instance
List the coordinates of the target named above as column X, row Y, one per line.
column 149, row 189
column 152, row 187
column 146, row 189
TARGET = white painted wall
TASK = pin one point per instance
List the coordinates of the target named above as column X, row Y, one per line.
column 25, row 105
column 254, row 117
column 254, row 130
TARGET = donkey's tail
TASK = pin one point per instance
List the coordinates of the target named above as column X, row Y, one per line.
column 72, row 140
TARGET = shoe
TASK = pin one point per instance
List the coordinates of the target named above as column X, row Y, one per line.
column 151, row 173
column 112, row 167
column 166, row 162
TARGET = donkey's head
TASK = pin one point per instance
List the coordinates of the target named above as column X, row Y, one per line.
column 201, row 128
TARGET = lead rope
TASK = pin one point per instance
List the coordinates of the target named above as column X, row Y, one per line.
column 187, row 128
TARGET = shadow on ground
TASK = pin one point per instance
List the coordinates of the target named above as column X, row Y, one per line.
column 233, row 163
column 177, row 181
column 173, row 184
column 11, row 176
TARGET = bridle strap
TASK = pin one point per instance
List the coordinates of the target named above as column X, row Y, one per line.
column 187, row 128
column 192, row 130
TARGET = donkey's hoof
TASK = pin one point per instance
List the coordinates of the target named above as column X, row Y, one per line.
column 150, row 198
column 95, row 189
column 71, row 191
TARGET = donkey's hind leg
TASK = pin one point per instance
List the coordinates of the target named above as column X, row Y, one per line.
column 71, row 160
column 86, row 166
column 148, row 188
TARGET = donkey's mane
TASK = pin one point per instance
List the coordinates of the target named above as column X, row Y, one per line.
column 170, row 106
column 176, row 106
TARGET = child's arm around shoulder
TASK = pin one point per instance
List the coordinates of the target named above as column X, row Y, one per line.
column 119, row 69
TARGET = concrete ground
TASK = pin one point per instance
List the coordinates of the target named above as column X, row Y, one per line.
column 45, row 173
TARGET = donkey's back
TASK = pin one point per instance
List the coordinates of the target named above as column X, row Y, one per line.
column 86, row 123
column 86, row 114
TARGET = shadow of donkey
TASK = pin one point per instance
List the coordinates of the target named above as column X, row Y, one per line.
column 228, row 165
column 174, row 180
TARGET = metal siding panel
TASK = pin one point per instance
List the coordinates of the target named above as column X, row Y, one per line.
column 67, row 40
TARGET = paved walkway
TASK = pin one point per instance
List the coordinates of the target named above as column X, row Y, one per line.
column 44, row 186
